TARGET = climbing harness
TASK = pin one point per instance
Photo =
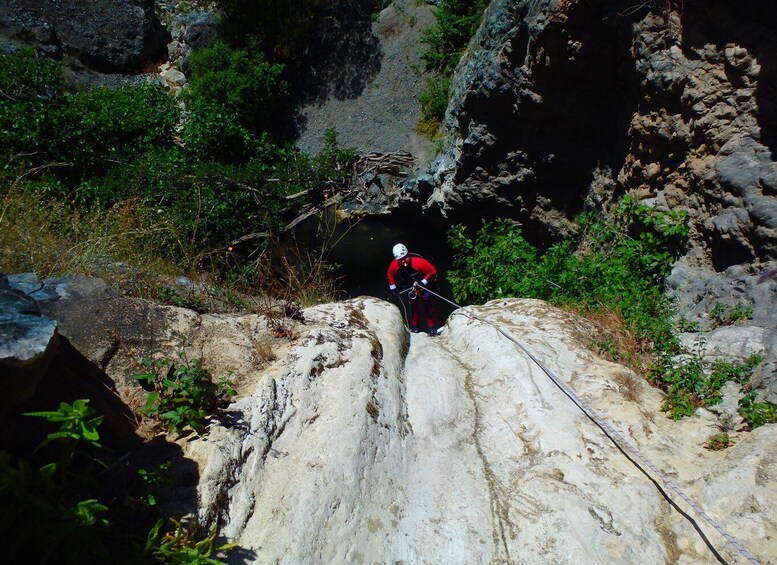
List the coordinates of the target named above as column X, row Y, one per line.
column 620, row 442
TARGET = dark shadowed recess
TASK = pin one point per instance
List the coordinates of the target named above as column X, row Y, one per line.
column 569, row 117
column 341, row 56
column 362, row 252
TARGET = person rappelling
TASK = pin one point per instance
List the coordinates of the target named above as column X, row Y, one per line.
column 412, row 274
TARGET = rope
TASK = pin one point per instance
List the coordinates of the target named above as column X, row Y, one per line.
column 402, row 302
column 615, row 436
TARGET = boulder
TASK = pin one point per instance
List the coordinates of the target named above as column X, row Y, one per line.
column 28, row 343
column 731, row 343
column 109, row 36
column 364, row 443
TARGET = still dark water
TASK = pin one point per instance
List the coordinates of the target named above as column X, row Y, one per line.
column 363, row 252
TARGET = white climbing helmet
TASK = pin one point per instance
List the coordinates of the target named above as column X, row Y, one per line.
column 399, row 251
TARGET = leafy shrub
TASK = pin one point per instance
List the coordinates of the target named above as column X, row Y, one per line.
column 102, row 127
column 692, row 383
column 620, row 265
column 213, row 133
column 723, row 315
column 685, row 325
column 719, row 442
column 240, row 83
column 54, row 517
column 280, row 28
column 67, row 510
column 434, row 102
column 184, row 395
column 183, row 545
column 30, row 90
column 456, row 22
column 757, row 413
column 332, row 166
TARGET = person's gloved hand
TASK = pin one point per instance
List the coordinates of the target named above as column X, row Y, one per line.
column 424, row 283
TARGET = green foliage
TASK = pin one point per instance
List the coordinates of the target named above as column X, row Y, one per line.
column 719, row 442
column 102, row 127
column 456, row 22
column 280, row 28
column 685, row 325
column 757, row 413
column 152, row 480
column 492, row 266
column 213, row 133
column 48, row 522
column 54, row 517
column 118, row 185
column 30, row 88
column 237, row 85
column 184, row 395
column 620, row 266
column 723, row 315
column 685, row 383
column 63, row 517
column 77, row 423
column 333, row 164
column 90, row 130
column 183, row 546
column 434, row 102
column 690, row 383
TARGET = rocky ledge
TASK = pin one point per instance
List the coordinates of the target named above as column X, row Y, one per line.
column 353, row 440
column 360, row 443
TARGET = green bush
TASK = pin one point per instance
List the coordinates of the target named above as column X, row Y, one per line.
column 213, row 133
column 69, row 507
column 238, row 85
column 434, row 102
column 281, row 28
column 456, row 22
column 619, row 266
column 93, row 130
column 101, row 128
column 30, row 90
column 757, row 413
column 719, row 442
column 723, row 315
column 183, row 395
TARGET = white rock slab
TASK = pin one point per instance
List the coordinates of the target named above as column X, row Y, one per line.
column 459, row 449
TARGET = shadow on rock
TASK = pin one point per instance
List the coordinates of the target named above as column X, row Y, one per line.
column 342, row 57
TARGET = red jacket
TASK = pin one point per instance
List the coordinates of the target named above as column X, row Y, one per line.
column 418, row 269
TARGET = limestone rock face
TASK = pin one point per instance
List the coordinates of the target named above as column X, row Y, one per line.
column 556, row 104
column 359, row 444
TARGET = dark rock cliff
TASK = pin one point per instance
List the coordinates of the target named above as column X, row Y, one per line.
column 562, row 104
column 109, row 36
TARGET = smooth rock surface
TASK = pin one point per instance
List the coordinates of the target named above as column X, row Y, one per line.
column 359, row 446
